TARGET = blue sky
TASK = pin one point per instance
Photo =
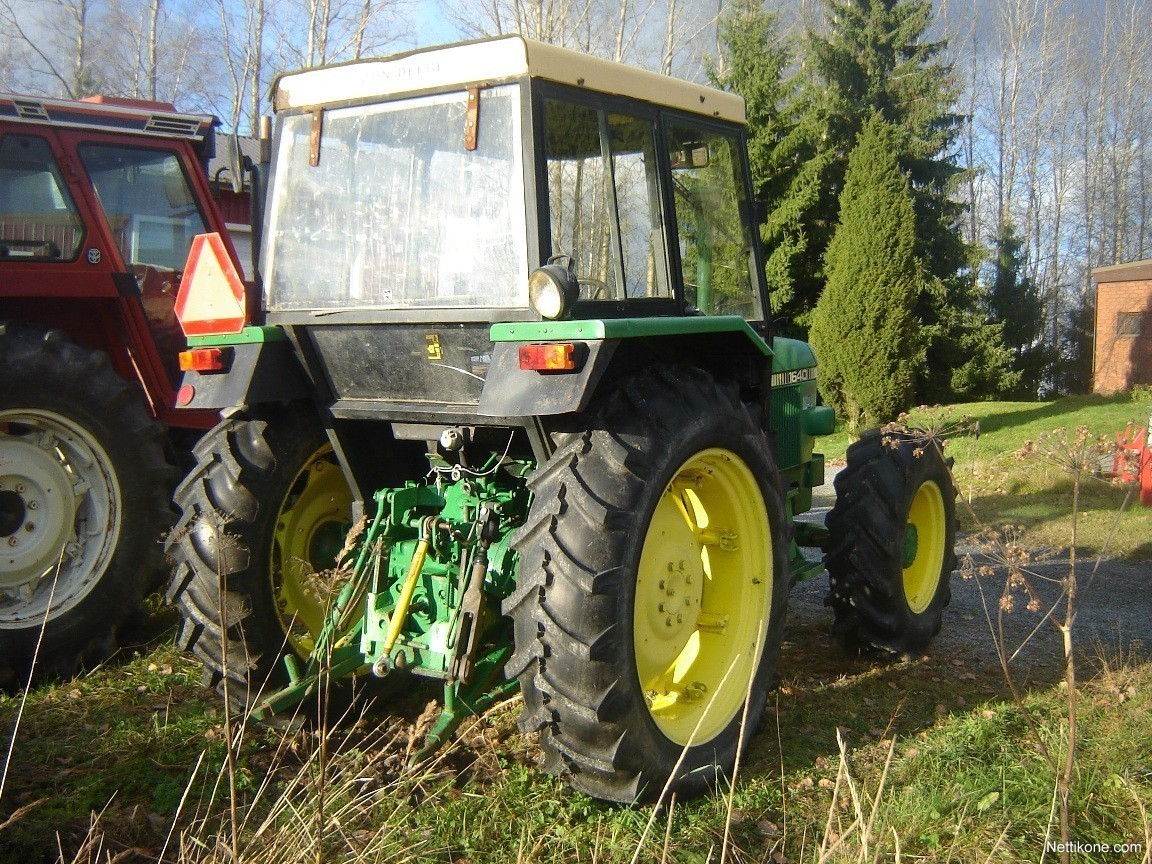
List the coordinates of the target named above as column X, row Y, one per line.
column 430, row 25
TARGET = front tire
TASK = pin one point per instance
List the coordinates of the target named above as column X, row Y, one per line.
column 84, row 486
column 893, row 533
column 265, row 509
column 653, row 578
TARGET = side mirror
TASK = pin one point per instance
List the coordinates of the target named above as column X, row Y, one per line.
column 692, row 154
column 235, row 163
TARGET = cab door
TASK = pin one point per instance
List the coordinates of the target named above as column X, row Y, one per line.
column 151, row 213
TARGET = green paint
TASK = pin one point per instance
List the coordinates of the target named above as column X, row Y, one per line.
column 789, row 354
column 819, row 420
column 467, row 519
column 911, row 545
column 248, row 336
column 627, row 328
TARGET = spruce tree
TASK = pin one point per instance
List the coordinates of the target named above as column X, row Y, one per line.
column 874, row 57
column 1074, row 368
column 864, row 329
column 754, row 61
column 1014, row 303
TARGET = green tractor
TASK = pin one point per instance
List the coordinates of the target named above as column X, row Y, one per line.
column 517, row 421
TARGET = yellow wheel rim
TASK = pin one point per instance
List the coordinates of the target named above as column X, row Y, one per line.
column 924, row 537
column 703, row 597
column 313, row 520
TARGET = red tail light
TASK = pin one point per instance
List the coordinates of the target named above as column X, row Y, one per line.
column 550, row 357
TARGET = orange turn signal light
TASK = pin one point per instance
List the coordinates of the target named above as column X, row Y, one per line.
column 549, row 357
column 205, row 359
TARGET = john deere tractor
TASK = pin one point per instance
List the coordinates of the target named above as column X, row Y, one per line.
column 517, row 421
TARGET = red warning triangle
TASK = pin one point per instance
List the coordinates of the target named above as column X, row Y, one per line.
column 211, row 296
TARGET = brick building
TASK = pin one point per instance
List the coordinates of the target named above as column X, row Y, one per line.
column 1123, row 353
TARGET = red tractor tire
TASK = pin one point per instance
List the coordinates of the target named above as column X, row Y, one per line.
column 84, row 503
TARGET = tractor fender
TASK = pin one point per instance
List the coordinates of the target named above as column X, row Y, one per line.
column 724, row 345
column 256, row 372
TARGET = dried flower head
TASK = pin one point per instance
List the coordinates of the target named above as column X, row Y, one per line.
column 1078, row 453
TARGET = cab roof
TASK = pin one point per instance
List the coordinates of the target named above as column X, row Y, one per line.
column 107, row 114
column 492, row 61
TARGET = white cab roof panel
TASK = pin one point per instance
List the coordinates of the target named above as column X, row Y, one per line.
column 491, row 61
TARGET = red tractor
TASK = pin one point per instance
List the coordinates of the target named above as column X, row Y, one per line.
column 99, row 202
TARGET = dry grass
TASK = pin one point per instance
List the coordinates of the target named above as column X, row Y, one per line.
column 847, row 770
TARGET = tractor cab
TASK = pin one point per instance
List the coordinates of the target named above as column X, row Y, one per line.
column 396, row 190
column 416, row 201
column 480, row 231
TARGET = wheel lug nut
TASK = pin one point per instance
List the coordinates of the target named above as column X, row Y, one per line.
column 32, row 505
column 13, row 541
column 660, row 608
column 679, row 619
column 29, row 526
column 662, row 583
column 19, row 487
column 668, row 621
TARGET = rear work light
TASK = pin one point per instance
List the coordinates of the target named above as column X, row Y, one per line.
column 205, row 360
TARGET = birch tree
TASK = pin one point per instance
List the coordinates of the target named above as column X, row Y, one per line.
column 241, row 26
column 56, row 35
column 315, row 32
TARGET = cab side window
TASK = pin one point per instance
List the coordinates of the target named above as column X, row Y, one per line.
column 715, row 247
column 148, row 202
column 38, row 219
column 603, row 200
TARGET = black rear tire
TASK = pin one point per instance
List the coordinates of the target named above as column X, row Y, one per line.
column 84, row 502
column 264, row 508
column 598, row 620
column 892, row 551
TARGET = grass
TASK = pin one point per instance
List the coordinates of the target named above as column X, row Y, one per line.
column 1005, row 426
column 963, row 779
column 980, row 772
column 128, row 763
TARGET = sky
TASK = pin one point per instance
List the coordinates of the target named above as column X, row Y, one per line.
column 430, row 25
